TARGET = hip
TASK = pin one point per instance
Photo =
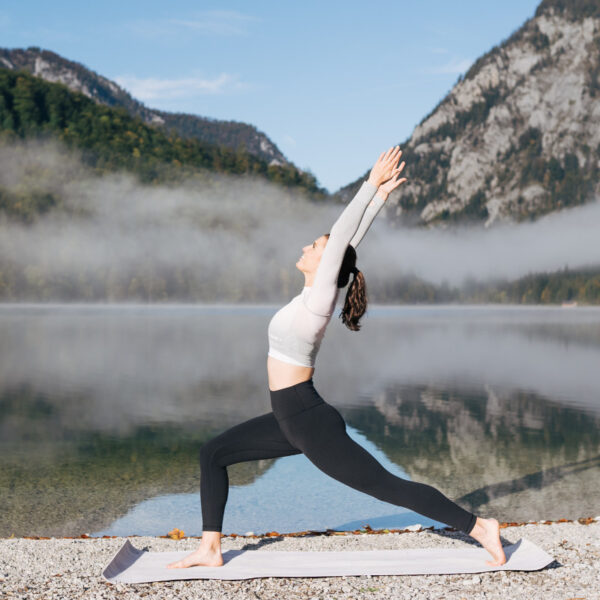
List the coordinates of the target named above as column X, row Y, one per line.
column 303, row 415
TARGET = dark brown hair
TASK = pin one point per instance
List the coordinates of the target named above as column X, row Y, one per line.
column 355, row 304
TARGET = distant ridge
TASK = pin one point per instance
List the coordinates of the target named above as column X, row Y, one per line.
column 55, row 68
column 108, row 139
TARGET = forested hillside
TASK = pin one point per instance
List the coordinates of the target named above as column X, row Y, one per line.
column 113, row 140
column 78, row 78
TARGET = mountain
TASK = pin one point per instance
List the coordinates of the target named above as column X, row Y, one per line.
column 55, row 68
column 518, row 136
column 109, row 139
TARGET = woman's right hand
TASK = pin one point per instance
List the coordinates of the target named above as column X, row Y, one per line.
column 391, row 184
column 385, row 166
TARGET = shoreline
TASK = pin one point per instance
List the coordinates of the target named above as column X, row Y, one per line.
column 71, row 567
column 312, row 532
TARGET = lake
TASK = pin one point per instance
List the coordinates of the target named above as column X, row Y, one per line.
column 103, row 409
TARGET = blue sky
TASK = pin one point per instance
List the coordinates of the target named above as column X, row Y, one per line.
column 331, row 83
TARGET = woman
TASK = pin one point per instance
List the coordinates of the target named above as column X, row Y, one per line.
column 301, row 421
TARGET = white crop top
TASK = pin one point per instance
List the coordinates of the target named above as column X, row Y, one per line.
column 296, row 330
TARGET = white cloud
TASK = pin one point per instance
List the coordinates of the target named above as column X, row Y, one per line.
column 454, row 67
column 153, row 88
column 220, row 22
column 216, row 22
column 288, row 140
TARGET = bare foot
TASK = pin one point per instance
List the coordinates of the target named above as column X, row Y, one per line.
column 487, row 533
column 205, row 557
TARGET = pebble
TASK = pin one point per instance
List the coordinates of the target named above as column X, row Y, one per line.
column 71, row 568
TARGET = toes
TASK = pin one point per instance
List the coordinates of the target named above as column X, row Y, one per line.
column 176, row 565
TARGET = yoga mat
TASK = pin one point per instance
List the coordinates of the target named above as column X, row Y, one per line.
column 131, row 565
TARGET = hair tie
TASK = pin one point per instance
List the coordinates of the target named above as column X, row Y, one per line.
column 355, row 270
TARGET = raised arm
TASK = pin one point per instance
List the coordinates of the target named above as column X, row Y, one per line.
column 322, row 296
column 324, row 287
column 375, row 205
column 368, row 217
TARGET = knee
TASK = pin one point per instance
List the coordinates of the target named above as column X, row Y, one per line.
column 209, row 452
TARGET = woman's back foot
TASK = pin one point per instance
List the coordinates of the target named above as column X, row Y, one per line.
column 203, row 557
column 487, row 533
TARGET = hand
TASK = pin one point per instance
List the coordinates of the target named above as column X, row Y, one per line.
column 392, row 183
column 385, row 166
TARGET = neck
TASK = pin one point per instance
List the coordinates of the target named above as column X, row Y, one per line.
column 309, row 279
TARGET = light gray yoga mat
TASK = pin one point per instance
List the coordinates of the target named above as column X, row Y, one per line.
column 131, row 565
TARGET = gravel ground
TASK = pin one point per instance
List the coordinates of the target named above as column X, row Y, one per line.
column 64, row 568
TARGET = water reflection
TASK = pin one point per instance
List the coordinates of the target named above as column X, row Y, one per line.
column 506, row 453
column 103, row 408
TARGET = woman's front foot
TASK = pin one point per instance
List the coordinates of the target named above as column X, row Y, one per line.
column 487, row 533
column 203, row 557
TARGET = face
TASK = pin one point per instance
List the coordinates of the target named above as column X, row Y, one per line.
column 311, row 255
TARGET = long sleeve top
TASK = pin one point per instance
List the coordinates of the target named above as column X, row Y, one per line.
column 295, row 332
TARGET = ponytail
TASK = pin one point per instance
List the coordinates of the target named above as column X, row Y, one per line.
column 355, row 304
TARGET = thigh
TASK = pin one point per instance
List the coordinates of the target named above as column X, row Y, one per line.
column 321, row 434
column 255, row 439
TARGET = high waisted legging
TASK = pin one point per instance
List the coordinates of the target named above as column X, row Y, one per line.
column 303, row 423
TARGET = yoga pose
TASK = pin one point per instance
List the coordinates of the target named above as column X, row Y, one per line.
column 301, row 421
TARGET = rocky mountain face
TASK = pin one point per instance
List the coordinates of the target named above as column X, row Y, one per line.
column 518, row 136
column 55, row 68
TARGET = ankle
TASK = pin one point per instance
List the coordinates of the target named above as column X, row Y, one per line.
column 478, row 528
column 211, row 548
column 211, row 540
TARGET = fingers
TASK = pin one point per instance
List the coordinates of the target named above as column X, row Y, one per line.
column 391, row 167
column 392, row 183
column 386, row 169
column 385, row 155
column 394, row 157
column 390, row 155
column 399, row 182
column 399, row 169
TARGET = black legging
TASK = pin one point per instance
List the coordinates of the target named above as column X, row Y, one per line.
column 302, row 422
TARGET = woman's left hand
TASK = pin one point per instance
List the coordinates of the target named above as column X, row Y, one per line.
column 392, row 183
column 385, row 166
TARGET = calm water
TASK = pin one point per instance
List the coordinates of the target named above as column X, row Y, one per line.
column 103, row 410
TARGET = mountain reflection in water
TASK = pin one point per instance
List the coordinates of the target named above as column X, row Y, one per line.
column 105, row 407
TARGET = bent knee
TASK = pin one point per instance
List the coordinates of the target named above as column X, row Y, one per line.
column 209, row 451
